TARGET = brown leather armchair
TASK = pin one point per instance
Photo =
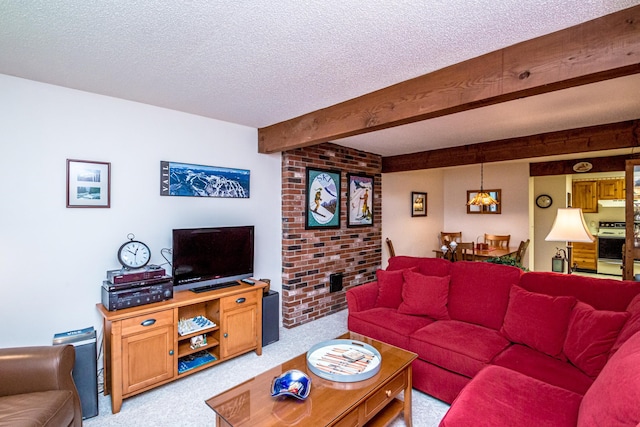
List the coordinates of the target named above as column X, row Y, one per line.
column 36, row 387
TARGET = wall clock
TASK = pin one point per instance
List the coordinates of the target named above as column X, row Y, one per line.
column 544, row 201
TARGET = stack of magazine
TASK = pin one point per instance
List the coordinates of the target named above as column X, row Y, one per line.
column 194, row 360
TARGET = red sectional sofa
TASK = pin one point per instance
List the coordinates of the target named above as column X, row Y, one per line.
column 505, row 347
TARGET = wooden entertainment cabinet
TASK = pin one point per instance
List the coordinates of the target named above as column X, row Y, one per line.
column 143, row 348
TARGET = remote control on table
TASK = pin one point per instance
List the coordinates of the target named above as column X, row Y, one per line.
column 248, row 281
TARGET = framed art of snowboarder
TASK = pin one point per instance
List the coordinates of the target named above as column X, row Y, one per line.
column 360, row 200
column 322, row 202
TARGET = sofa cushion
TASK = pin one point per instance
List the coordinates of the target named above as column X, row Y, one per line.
column 424, row 295
column 545, row 368
column 502, row 397
column 594, row 291
column 631, row 327
column 457, row 346
column 390, row 288
column 537, row 320
column 591, row 335
column 613, row 398
column 386, row 325
column 479, row 292
column 44, row 408
column 427, row 266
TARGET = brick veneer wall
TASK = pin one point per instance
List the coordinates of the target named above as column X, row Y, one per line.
column 310, row 256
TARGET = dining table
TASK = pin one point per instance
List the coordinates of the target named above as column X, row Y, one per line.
column 482, row 255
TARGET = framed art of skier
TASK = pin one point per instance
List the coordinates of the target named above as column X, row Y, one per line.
column 360, row 200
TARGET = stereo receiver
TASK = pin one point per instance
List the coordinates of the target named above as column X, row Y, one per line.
column 120, row 298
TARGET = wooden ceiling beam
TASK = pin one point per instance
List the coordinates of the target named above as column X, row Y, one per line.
column 587, row 139
column 597, row 50
column 565, row 167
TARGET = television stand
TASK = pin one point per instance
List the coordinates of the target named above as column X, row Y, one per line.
column 143, row 347
column 208, row 288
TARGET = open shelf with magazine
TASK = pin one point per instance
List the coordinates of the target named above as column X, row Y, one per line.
column 198, row 335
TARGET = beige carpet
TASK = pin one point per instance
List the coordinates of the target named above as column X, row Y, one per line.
column 182, row 402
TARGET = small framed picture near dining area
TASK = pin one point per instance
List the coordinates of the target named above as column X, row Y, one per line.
column 484, row 209
column 418, row 204
column 360, row 200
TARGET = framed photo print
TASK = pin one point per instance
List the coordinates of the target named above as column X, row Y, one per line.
column 489, row 209
column 418, row 204
column 88, row 184
column 360, row 200
column 187, row 179
column 322, row 199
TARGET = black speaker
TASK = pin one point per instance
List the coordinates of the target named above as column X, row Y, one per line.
column 270, row 318
column 84, row 370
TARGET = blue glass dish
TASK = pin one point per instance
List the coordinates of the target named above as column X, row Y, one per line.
column 293, row 383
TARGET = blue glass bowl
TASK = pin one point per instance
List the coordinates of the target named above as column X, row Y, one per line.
column 292, row 383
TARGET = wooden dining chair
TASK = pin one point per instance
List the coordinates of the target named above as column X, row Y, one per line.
column 521, row 251
column 497, row 240
column 466, row 251
column 446, row 237
column 392, row 252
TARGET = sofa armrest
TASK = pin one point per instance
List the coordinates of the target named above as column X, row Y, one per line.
column 362, row 297
column 31, row 369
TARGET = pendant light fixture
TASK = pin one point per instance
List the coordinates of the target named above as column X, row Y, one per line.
column 482, row 198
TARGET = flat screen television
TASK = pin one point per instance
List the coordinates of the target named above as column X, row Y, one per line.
column 211, row 257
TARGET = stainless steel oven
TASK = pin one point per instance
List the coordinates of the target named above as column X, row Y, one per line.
column 610, row 241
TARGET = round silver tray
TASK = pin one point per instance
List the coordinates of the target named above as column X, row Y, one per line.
column 326, row 360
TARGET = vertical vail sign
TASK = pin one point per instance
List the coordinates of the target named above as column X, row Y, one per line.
column 183, row 179
column 322, row 199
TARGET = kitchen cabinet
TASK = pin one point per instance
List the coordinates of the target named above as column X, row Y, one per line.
column 585, row 196
column 611, row 189
column 585, row 256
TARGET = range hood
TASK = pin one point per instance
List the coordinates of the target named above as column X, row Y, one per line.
column 617, row 203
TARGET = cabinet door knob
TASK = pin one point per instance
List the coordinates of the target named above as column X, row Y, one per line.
column 226, row 335
column 240, row 300
column 170, row 352
column 148, row 322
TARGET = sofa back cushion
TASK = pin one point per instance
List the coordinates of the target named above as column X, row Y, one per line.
column 427, row 266
column 632, row 326
column 537, row 320
column 389, row 288
column 591, row 335
column 479, row 292
column 602, row 294
column 424, row 295
column 613, row 398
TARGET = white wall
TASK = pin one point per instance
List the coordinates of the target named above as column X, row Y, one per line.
column 53, row 259
column 447, row 192
column 411, row 235
column 556, row 186
column 511, row 178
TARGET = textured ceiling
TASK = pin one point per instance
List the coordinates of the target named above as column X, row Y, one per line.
column 259, row 62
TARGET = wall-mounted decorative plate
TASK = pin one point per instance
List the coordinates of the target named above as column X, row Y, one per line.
column 582, row 167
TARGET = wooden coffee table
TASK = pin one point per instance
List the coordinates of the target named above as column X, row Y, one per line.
column 373, row 401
